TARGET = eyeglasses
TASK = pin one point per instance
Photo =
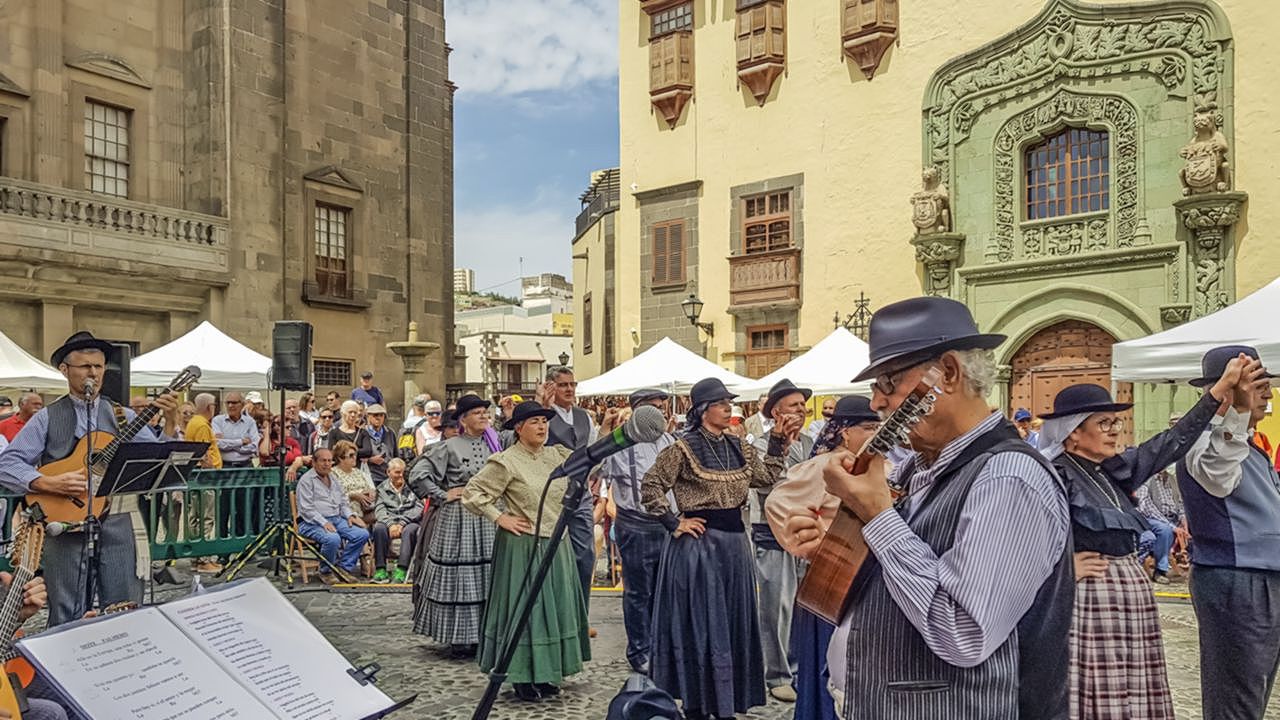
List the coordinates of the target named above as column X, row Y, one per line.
column 87, row 366
column 1113, row 424
column 887, row 384
column 235, row 402
column 434, row 413
column 570, row 384
column 327, row 417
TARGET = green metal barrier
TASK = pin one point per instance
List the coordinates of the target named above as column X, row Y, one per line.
column 219, row 513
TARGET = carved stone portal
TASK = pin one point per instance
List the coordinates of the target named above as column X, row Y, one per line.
column 1210, row 219
column 932, row 205
column 938, row 253
column 1206, row 169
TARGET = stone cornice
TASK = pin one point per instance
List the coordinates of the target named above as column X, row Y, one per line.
column 1041, row 268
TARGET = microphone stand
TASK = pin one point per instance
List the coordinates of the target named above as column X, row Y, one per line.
column 92, row 527
column 497, row 676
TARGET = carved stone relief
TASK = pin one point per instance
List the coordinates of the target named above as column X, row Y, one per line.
column 1206, row 169
column 931, row 206
column 939, row 253
column 1210, row 218
column 1121, row 119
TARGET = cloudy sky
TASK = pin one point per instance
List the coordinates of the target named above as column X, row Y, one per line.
column 535, row 113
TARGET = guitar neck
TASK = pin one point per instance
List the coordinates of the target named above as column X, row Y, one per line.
column 11, row 610
column 123, row 435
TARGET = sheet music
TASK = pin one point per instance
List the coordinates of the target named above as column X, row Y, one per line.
column 138, row 666
column 260, row 639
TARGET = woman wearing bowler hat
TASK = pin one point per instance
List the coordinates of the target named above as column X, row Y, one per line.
column 706, row 638
column 554, row 644
column 1117, row 669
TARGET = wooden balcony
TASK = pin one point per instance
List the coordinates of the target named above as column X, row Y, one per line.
column 765, row 278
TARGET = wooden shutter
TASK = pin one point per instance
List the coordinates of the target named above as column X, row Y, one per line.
column 862, row 15
column 761, row 33
column 660, row 254
column 675, row 253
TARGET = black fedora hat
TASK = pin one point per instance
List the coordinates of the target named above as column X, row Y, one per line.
column 855, row 409
column 467, row 403
column 1083, row 398
column 781, row 389
column 917, row 329
column 709, row 390
column 1214, row 363
column 644, row 395
column 524, row 411
column 80, row 341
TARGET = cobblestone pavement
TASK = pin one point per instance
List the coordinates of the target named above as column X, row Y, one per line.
column 377, row 627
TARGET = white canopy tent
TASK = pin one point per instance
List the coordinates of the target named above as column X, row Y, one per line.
column 667, row 366
column 20, row 369
column 1174, row 355
column 826, row 368
column 223, row 362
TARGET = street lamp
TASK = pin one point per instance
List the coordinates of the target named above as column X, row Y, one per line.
column 564, row 359
column 692, row 307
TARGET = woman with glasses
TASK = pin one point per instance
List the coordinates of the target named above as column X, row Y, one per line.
column 324, row 427
column 360, row 490
column 307, row 408
column 706, row 638
column 429, row 431
column 1117, row 669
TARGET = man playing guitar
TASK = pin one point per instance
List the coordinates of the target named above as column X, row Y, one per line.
column 52, row 434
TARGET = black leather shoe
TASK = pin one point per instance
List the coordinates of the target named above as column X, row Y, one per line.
column 546, row 689
column 527, row 692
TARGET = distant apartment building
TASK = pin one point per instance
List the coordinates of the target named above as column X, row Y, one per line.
column 464, row 280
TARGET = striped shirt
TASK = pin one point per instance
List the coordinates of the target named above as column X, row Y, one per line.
column 1011, row 534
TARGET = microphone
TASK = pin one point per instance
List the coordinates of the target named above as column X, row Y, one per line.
column 646, row 425
column 55, row 528
column 89, row 387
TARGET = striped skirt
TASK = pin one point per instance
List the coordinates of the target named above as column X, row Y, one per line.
column 1117, row 669
column 454, row 581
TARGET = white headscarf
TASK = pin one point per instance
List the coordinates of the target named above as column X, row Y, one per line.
column 1055, row 431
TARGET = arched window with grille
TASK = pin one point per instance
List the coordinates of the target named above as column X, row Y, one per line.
column 1068, row 174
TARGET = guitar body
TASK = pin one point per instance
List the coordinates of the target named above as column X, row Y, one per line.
column 63, row 508
column 12, row 697
column 828, row 582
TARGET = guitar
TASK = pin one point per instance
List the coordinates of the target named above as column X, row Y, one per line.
column 826, row 588
column 71, row 509
column 28, row 543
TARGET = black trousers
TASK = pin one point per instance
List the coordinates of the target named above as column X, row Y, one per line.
column 640, row 541
column 582, row 535
column 1238, row 611
column 382, row 544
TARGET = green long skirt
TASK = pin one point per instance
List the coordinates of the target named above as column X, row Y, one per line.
column 555, row 643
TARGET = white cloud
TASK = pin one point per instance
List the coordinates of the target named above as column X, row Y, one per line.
column 492, row 240
column 507, row 47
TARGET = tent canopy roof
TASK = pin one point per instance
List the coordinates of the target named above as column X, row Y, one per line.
column 826, row 369
column 20, row 369
column 1174, row 355
column 667, row 365
column 223, row 362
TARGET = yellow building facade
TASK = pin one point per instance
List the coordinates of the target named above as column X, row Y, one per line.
column 771, row 161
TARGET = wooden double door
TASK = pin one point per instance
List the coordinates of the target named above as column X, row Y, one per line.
column 1068, row 353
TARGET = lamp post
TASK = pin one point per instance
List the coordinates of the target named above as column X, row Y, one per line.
column 692, row 307
column 857, row 322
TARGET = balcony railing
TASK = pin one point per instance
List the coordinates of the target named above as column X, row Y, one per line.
column 764, row 278
column 602, row 203
column 81, row 222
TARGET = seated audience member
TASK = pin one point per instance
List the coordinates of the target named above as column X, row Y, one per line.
column 325, row 517
column 398, row 515
column 355, row 483
column 1162, row 508
column 430, row 431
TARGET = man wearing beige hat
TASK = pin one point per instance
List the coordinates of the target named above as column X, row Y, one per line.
column 382, row 442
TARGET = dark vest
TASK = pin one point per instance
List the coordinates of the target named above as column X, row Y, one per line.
column 1238, row 530
column 574, row 437
column 898, row 677
column 61, row 437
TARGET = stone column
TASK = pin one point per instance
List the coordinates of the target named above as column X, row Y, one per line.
column 1210, row 220
column 413, row 353
column 939, row 253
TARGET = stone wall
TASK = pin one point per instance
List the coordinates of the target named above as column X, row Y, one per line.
column 660, row 307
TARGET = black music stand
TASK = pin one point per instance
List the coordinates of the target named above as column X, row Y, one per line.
column 137, row 469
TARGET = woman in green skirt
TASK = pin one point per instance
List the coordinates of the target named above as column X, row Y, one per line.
column 555, row 642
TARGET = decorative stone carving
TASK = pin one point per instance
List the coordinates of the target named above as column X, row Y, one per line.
column 1210, row 219
column 1207, row 168
column 1183, row 43
column 939, row 253
column 1066, row 106
column 870, row 29
column 932, row 205
column 1176, row 314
